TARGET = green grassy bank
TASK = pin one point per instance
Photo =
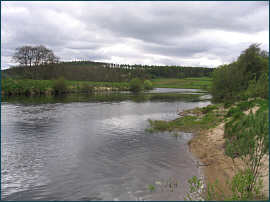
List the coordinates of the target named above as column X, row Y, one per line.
column 28, row 86
column 198, row 119
column 246, row 135
column 185, row 83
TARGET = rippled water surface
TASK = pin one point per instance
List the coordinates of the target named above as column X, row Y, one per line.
column 94, row 147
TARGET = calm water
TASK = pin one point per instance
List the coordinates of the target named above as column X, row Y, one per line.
column 94, row 147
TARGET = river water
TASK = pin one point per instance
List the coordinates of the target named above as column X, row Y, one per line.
column 84, row 147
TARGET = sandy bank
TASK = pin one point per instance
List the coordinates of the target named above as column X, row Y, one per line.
column 209, row 148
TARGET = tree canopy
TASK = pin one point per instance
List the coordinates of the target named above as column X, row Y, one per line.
column 34, row 56
column 233, row 81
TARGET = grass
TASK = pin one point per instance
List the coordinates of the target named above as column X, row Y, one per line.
column 210, row 119
column 185, row 83
column 28, row 86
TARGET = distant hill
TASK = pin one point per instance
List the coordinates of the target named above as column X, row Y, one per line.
column 103, row 72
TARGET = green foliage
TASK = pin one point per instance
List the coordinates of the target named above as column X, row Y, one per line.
column 188, row 123
column 253, row 62
column 240, row 186
column 228, row 81
column 151, row 187
column 215, row 192
column 162, row 185
column 204, row 87
column 87, row 87
column 29, row 86
column 151, row 127
column 238, row 80
column 196, row 186
column 250, row 142
column 208, row 109
column 60, row 85
column 185, row 83
column 234, row 112
column 148, row 84
column 135, row 85
column 93, row 71
column 228, row 104
column 259, row 88
column 180, row 75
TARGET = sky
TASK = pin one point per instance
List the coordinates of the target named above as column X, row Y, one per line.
column 184, row 33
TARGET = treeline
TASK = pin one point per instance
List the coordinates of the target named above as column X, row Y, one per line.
column 40, row 63
column 247, row 77
column 103, row 72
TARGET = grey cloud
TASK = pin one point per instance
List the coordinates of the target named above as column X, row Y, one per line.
column 167, row 19
column 177, row 30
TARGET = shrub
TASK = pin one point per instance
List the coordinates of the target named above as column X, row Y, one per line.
column 215, row 192
column 251, row 143
column 135, row 85
column 258, row 88
column 60, row 84
column 148, row 84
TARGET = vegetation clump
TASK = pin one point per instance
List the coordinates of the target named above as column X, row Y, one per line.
column 247, row 77
column 148, row 85
column 190, row 123
column 135, row 85
column 208, row 109
column 30, row 86
column 60, row 85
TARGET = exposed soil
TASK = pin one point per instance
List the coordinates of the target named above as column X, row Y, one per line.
column 209, row 149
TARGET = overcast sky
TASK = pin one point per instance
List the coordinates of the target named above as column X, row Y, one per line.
column 136, row 32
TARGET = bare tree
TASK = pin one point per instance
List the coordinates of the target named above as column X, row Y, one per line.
column 38, row 55
column 42, row 58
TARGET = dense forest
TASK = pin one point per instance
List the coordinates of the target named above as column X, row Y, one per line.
column 41, row 63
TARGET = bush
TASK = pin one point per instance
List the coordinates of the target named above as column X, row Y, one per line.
column 215, row 192
column 148, row 84
column 60, row 85
column 258, row 88
column 251, row 143
column 135, row 85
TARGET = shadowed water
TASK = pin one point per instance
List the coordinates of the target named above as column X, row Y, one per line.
column 94, row 147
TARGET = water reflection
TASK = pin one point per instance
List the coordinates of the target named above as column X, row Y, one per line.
column 157, row 95
column 93, row 147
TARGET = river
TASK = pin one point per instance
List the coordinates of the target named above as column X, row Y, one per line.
column 84, row 147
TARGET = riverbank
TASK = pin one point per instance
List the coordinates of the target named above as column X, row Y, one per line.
column 208, row 146
column 32, row 87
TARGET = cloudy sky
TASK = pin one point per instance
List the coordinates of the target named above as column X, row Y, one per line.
column 136, row 32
